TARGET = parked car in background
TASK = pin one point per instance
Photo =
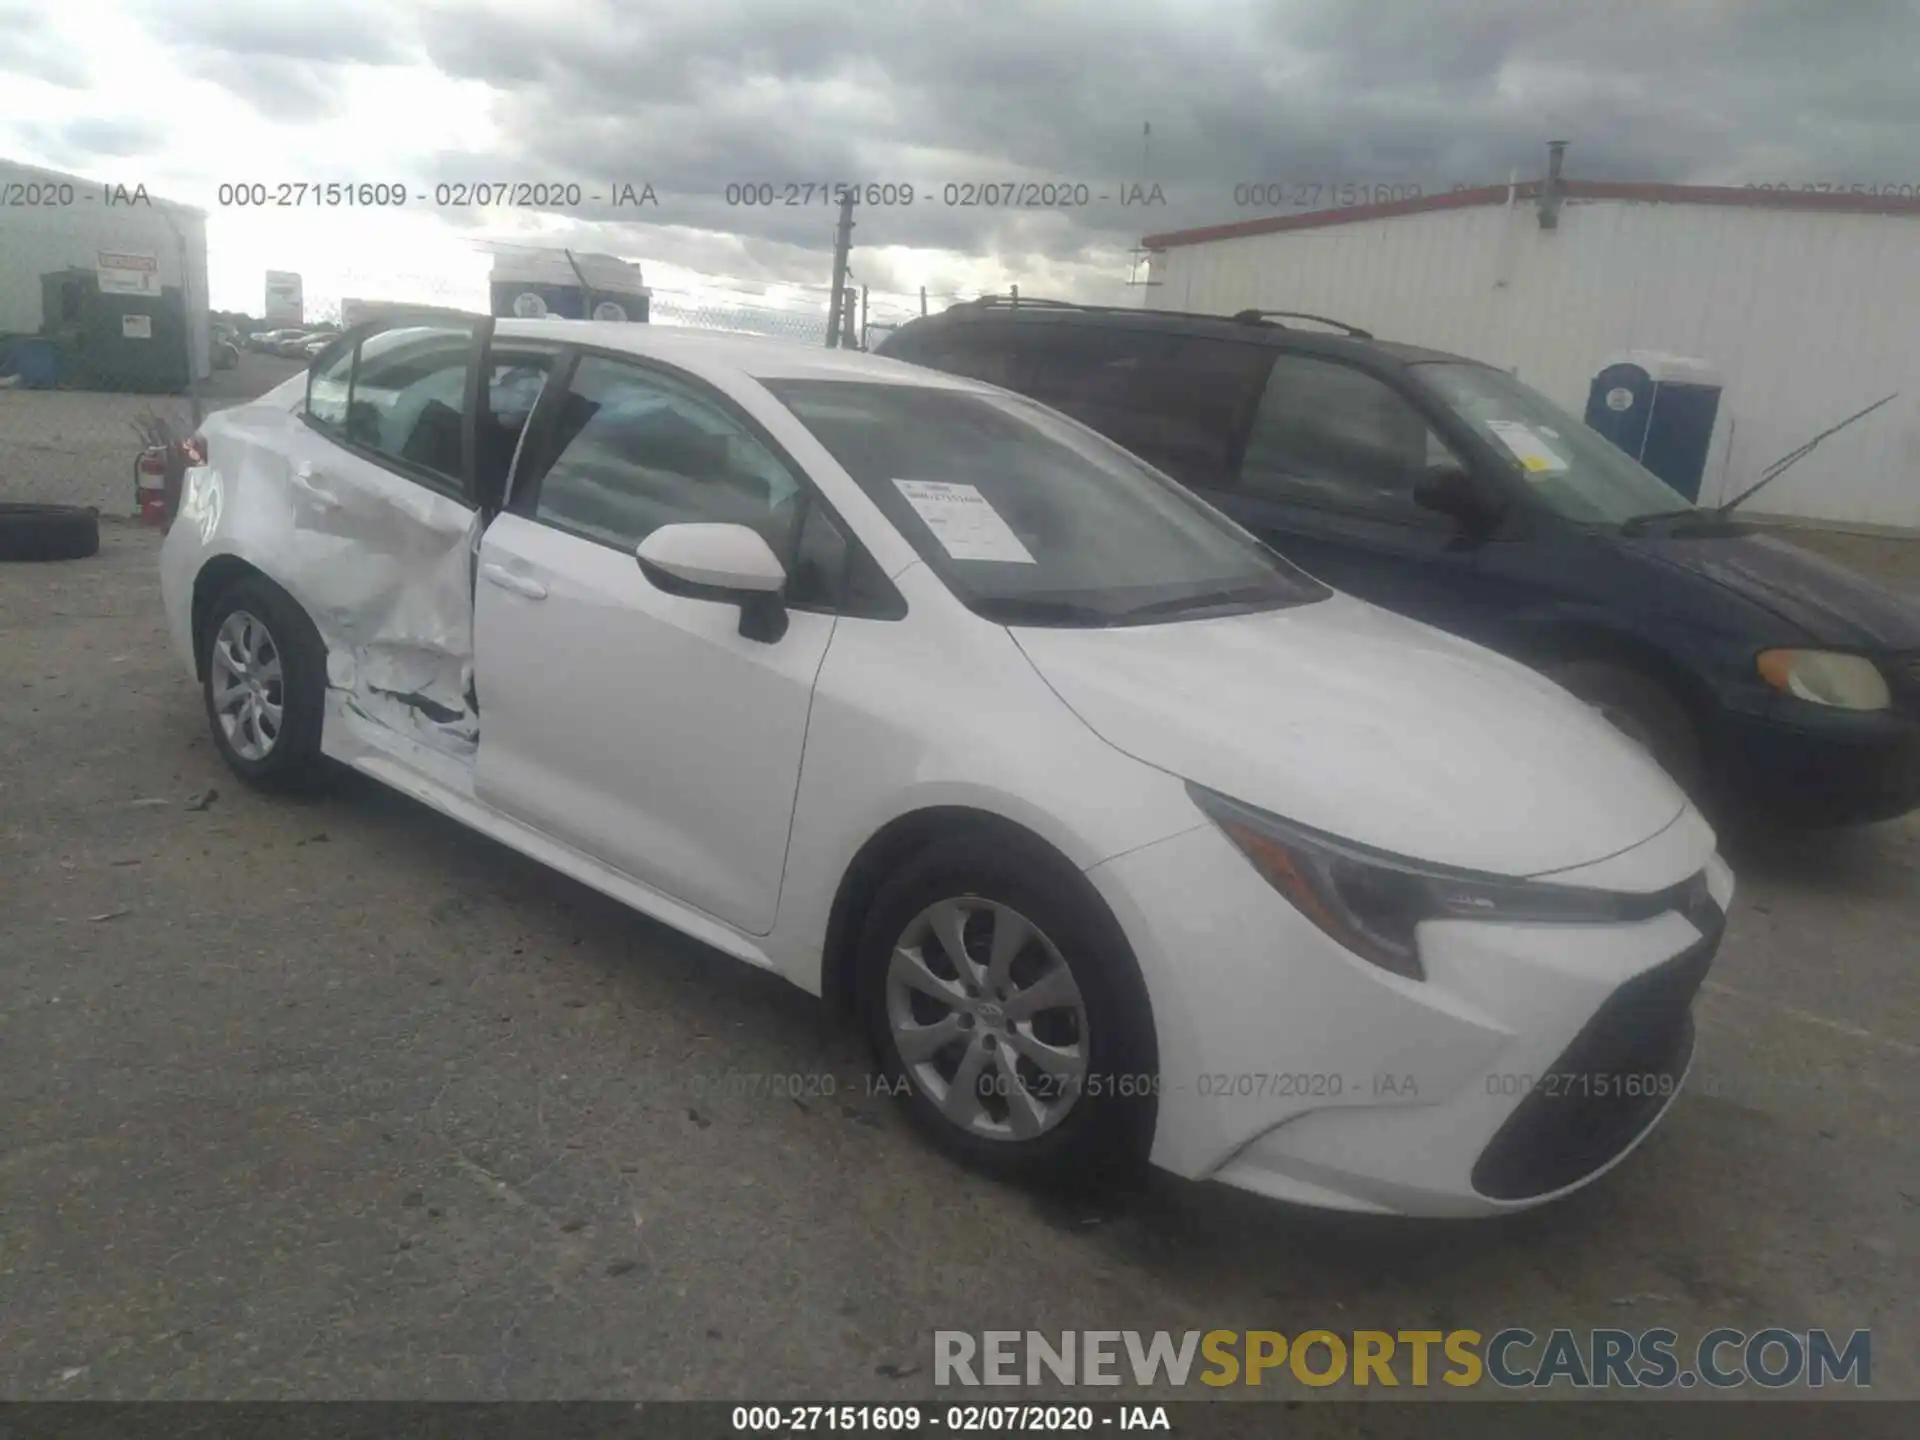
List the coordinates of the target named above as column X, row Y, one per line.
column 933, row 701
column 1769, row 681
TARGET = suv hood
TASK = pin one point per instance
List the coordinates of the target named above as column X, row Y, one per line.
column 1365, row 725
column 1828, row 603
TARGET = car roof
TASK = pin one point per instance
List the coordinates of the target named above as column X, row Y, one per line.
column 711, row 353
column 1179, row 322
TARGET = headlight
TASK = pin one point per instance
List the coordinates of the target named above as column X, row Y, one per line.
column 1849, row 682
column 1370, row 901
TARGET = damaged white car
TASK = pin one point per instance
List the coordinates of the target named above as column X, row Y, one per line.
column 1124, row 837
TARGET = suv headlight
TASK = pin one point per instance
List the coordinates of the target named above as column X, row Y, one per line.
column 1826, row 677
column 1370, row 901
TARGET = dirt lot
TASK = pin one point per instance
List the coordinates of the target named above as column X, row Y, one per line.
column 76, row 447
column 336, row 1099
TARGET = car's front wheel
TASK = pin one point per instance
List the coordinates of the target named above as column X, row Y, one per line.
column 1006, row 1013
column 265, row 677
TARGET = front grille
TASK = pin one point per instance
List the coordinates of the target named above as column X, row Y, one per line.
column 1608, row 1085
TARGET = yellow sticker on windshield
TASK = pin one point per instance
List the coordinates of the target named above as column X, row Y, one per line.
column 1527, row 447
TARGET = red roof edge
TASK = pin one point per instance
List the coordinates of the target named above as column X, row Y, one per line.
column 1828, row 202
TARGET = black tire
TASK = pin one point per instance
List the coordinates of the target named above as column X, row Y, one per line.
column 1108, row 1128
column 1643, row 710
column 293, row 762
column 48, row 532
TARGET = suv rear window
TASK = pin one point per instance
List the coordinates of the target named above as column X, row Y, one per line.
column 1178, row 401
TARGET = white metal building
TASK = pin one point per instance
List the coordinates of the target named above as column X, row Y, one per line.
column 137, row 245
column 1807, row 304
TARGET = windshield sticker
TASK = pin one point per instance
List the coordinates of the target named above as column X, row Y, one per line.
column 1528, row 448
column 967, row 527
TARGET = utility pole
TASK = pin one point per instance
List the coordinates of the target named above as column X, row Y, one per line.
column 842, row 243
column 863, row 317
column 923, row 301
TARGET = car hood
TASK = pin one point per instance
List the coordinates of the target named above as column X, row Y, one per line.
column 1828, row 603
column 1354, row 721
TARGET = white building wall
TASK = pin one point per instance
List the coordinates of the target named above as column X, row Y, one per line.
column 36, row 239
column 1808, row 316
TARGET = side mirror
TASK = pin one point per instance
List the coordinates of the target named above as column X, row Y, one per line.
column 1448, row 489
column 727, row 564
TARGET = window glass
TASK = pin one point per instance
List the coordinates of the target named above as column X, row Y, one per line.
column 327, row 390
column 513, row 386
column 409, row 396
column 1177, row 401
column 1032, row 519
column 1328, row 434
column 635, row 451
column 978, row 352
column 1570, row 467
column 819, row 560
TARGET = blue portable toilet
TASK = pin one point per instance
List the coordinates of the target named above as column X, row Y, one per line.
column 1661, row 410
column 540, row 284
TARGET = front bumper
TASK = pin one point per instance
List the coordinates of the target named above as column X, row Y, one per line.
column 1532, row 1059
column 1820, row 766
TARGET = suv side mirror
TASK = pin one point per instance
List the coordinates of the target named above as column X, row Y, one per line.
column 728, row 564
column 1448, row 489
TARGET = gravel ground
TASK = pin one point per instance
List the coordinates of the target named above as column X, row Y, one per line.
column 76, row 447
column 336, row 1099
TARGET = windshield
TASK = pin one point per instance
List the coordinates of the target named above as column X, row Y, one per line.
column 1032, row 519
column 1570, row 467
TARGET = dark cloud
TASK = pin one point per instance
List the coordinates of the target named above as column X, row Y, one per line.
column 338, row 32
column 89, row 146
column 118, row 138
column 35, row 51
column 694, row 95
column 697, row 96
column 291, row 91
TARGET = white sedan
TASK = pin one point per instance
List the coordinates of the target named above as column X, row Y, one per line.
column 1123, row 837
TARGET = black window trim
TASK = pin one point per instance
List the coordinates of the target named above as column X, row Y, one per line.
column 555, row 354
column 523, row 500
column 1431, row 415
column 462, row 490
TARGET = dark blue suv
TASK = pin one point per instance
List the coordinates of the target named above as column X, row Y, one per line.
column 1768, row 680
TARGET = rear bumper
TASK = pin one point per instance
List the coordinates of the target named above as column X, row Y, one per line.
column 1829, row 768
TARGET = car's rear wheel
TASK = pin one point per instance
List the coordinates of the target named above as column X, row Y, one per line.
column 265, row 676
column 1641, row 709
column 1006, row 1013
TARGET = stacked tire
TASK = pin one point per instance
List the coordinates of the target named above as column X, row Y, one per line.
column 48, row 532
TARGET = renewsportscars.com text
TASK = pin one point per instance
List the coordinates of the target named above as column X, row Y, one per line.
column 1511, row 1358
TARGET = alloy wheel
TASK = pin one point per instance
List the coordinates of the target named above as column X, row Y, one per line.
column 987, row 1018
column 248, row 686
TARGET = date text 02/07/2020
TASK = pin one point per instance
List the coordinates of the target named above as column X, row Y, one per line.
column 961, row 194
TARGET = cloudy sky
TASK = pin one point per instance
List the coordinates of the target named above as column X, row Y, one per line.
column 692, row 96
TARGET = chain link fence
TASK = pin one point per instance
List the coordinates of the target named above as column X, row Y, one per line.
column 64, row 444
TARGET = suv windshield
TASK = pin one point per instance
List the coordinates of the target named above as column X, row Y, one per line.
column 1570, row 467
column 1029, row 517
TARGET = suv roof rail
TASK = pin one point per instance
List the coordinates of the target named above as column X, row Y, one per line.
column 1261, row 317
column 1243, row 317
column 1024, row 302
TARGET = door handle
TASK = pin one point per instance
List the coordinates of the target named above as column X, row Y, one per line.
column 519, row 584
column 303, row 477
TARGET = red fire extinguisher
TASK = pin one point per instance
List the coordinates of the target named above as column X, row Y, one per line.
column 150, row 485
column 159, row 473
